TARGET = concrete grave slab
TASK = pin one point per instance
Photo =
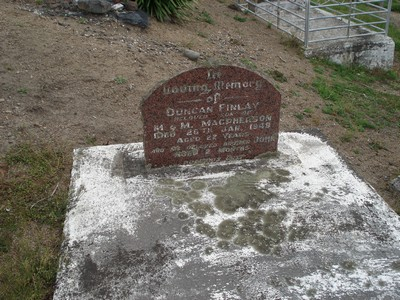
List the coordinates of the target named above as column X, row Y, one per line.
column 297, row 225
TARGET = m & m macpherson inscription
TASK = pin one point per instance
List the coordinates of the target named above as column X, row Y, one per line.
column 210, row 114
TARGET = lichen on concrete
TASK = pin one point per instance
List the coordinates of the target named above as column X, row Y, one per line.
column 254, row 227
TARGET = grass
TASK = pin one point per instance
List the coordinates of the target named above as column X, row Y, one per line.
column 307, row 112
column 22, row 91
column 90, row 140
column 351, row 98
column 239, row 18
column 248, row 63
column 120, row 79
column 396, row 6
column 206, row 17
column 33, row 196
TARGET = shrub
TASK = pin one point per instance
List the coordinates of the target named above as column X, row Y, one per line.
column 165, row 10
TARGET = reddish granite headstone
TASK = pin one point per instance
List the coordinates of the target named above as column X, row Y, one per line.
column 210, row 114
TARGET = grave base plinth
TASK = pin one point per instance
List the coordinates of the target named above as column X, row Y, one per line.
column 295, row 225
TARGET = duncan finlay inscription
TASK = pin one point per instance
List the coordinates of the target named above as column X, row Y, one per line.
column 210, row 114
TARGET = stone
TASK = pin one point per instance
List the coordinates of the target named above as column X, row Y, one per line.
column 94, row 6
column 396, row 184
column 138, row 18
column 192, row 55
column 210, row 114
column 130, row 6
column 117, row 7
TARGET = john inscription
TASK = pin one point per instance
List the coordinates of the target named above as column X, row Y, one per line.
column 210, row 114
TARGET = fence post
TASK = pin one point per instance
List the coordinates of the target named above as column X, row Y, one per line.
column 306, row 23
column 389, row 9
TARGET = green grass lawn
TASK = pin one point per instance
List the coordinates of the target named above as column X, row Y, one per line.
column 33, row 198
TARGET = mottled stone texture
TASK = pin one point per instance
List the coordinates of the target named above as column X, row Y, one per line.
column 210, row 114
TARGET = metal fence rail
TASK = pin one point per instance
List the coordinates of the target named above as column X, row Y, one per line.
column 313, row 21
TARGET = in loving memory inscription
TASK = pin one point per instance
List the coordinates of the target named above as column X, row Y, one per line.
column 210, row 114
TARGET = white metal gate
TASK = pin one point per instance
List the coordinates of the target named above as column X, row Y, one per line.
column 313, row 21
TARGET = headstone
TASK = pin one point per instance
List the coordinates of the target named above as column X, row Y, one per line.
column 209, row 115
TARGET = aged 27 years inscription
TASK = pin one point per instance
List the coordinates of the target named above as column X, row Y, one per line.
column 210, row 114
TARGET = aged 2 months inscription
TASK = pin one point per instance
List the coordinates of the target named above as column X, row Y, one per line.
column 210, row 114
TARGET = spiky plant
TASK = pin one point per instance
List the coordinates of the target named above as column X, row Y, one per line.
column 165, row 10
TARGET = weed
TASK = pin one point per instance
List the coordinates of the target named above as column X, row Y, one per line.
column 376, row 146
column 239, row 18
column 202, row 34
column 248, row 63
column 291, row 41
column 39, row 2
column 299, row 116
column 316, row 120
column 277, row 75
column 120, row 79
column 206, row 17
column 188, row 44
column 90, row 140
column 22, row 91
column 347, row 137
column 33, row 196
column 82, row 20
column 236, row 42
column 294, row 93
column 308, row 111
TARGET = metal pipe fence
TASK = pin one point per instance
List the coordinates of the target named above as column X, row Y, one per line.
column 312, row 21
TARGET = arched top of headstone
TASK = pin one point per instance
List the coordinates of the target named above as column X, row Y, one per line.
column 210, row 114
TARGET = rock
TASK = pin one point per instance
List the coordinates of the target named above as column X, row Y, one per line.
column 94, row 6
column 117, row 7
column 138, row 18
column 396, row 184
column 192, row 55
column 234, row 7
column 130, row 6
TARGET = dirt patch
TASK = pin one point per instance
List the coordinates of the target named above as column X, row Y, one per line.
column 78, row 80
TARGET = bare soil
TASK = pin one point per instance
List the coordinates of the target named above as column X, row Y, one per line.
column 58, row 71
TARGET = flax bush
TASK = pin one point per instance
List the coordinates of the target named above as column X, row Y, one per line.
column 166, row 10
